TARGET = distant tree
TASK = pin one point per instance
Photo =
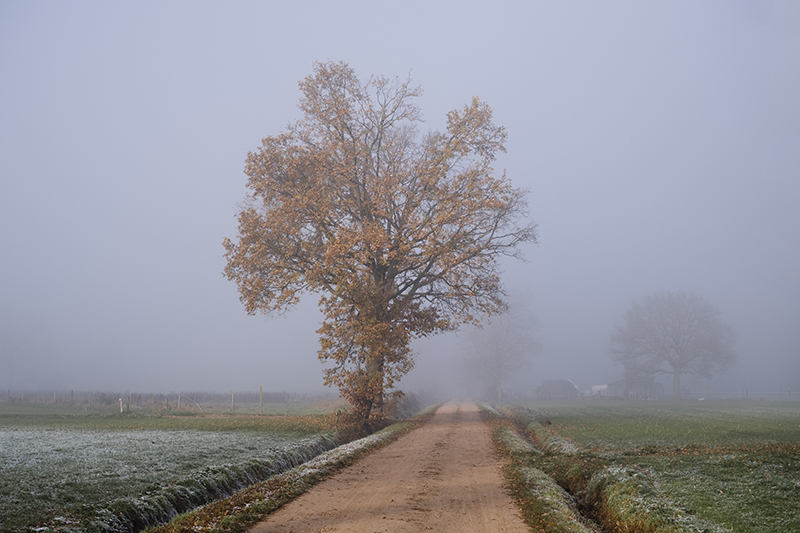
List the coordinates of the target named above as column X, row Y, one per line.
column 505, row 345
column 399, row 235
column 674, row 333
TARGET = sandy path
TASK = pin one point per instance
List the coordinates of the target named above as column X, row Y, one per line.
column 443, row 476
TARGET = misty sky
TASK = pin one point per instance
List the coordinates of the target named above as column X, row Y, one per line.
column 660, row 143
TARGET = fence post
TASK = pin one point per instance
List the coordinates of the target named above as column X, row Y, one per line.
column 261, row 399
column 179, row 401
column 232, row 404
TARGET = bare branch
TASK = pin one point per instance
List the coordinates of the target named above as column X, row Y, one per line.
column 400, row 235
column 672, row 332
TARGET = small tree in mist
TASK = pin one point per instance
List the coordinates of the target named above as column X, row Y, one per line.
column 674, row 333
column 398, row 234
column 505, row 345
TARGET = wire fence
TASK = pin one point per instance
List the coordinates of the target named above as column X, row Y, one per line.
column 200, row 401
column 782, row 395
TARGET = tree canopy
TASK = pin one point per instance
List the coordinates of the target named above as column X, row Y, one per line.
column 674, row 333
column 398, row 233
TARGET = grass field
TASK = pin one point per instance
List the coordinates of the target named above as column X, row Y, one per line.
column 55, row 460
column 734, row 463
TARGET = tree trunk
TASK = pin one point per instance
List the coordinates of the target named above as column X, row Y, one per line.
column 361, row 420
column 372, row 394
column 676, row 385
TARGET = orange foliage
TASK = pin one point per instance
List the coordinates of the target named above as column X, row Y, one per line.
column 399, row 234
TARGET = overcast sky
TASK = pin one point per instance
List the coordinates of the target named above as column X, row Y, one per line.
column 660, row 143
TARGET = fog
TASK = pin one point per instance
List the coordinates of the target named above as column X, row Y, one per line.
column 660, row 143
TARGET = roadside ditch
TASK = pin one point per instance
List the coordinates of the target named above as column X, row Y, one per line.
column 562, row 487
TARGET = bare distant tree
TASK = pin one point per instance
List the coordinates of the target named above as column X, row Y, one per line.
column 502, row 347
column 672, row 333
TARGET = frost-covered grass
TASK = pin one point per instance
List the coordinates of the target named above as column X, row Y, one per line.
column 58, row 465
column 625, row 425
column 545, row 505
column 630, row 499
column 750, row 489
column 130, row 515
column 735, row 464
column 538, row 433
column 247, row 507
column 557, row 510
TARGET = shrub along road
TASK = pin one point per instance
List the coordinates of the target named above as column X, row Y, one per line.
column 444, row 476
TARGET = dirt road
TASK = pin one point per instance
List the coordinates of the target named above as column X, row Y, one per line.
column 443, row 476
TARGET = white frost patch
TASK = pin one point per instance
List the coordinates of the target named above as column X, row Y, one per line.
column 59, row 468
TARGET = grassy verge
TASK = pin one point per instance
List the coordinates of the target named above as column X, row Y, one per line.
column 251, row 505
column 735, row 463
column 546, row 507
column 564, row 487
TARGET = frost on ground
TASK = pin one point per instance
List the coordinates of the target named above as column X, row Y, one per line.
column 617, row 496
column 735, row 463
column 547, row 440
column 157, row 507
column 50, row 475
column 557, row 506
column 754, row 491
column 547, row 503
column 630, row 494
column 251, row 505
column 514, row 442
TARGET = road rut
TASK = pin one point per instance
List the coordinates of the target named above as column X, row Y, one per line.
column 443, row 476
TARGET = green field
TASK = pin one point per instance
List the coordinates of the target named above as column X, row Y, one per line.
column 55, row 460
column 735, row 463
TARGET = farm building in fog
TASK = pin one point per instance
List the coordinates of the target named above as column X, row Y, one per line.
column 557, row 389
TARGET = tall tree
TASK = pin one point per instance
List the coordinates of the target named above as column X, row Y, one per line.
column 398, row 233
column 674, row 333
column 506, row 344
